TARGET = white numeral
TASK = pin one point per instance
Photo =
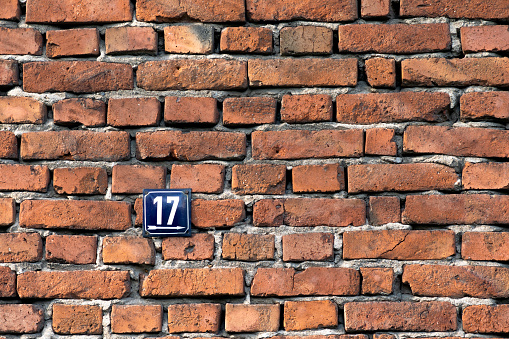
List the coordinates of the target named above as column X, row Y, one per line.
column 158, row 201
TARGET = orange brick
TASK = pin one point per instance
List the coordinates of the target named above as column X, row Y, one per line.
column 384, row 210
column 89, row 112
column 249, row 111
column 20, row 247
column 375, row 8
column 259, row 179
column 7, row 211
column 10, row 10
column 21, row 318
column 310, row 10
column 194, row 318
column 246, row 40
column 308, row 246
column 485, row 38
column 71, row 249
column 136, row 318
column 485, row 246
column 134, row 112
column 19, row 110
column 485, row 319
column 9, row 73
column 189, row 39
column 72, row 42
column 318, row 178
column 184, row 110
column 8, row 145
column 380, row 141
column 484, row 106
column 217, row 213
column 128, row 250
column 474, row 9
column 131, row 179
column 200, row 246
column 24, row 178
column 201, row 178
column 20, row 41
column 80, row 180
column 77, row 319
column 7, row 282
column 305, row 315
column 377, row 280
column 131, row 40
column 304, row 108
column 248, row 247
column 251, row 318
column 138, row 210
column 486, row 176
column 303, row 40
column 381, row 72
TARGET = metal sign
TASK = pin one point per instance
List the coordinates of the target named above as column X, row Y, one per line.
column 166, row 213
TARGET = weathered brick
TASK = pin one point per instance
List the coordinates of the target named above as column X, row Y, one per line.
column 192, row 74
column 381, row 72
column 308, row 246
column 384, row 210
column 136, row 318
column 309, row 72
column 7, row 211
column 89, row 112
column 131, row 40
column 77, row 319
column 485, row 246
column 456, row 209
column 80, row 180
column 459, row 141
column 7, row 282
column 9, row 73
column 190, row 146
column 380, row 141
column 305, row 40
column 246, row 40
column 302, row 144
column 20, row 247
column 20, row 110
column 268, row 212
column 306, row 315
column 248, row 247
column 249, row 111
column 71, row 249
column 75, row 145
column 20, row 41
column 313, row 10
column 20, row 318
column 193, row 282
column 439, row 316
column 375, row 9
column 76, row 76
column 134, row 112
column 252, row 318
column 194, row 10
column 398, row 245
column 313, row 281
column 74, row 284
column 194, row 318
column 485, row 106
column 72, row 42
column 320, row 336
column 24, row 178
column 392, row 107
column 486, row 319
column 474, row 9
column 306, row 108
column 217, row 213
column 189, row 39
column 200, row 246
column 486, row 176
column 80, row 11
column 201, row 178
column 318, row 178
column 397, row 38
column 11, row 10
column 377, row 280
column 75, row 214
column 184, row 110
column 128, row 250
column 259, row 179
column 8, row 145
column 485, row 38
column 491, row 71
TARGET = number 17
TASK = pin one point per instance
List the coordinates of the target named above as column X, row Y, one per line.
column 159, row 202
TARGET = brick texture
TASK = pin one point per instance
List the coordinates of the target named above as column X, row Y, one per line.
column 128, row 250
column 304, row 315
column 194, row 318
column 20, row 247
column 308, row 246
column 251, row 318
column 199, row 246
column 69, row 319
column 89, row 112
column 21, row 318
column 131, row 40
column 136, row 318
column 80, row 180
column 186, row 110
column 71, row 249
column 201, row 178
column 73, row 42
column 248, row 247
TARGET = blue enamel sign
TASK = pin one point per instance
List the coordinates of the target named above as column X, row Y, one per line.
column 167, row 213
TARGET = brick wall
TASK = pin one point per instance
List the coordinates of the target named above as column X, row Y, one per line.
column 348, row 162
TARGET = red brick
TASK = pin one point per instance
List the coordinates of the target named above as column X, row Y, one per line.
column 128, row 250
column 184, row 110
column 189, row 39
column 134, row 112
column 486, row 176
column 192, row 74
column 248, row 247
column 217, row 213
column 312, row 10
column 435, row 316
column 24, row 178
column 306, row 108
column 7, row 211
column 78, row 11
column 194, row 10
column 381, row 72
column 268, row 212
column 249, row 111
column 201, row 178
column 8, row 145
column 489, row 71
column 485, row 246
column 457, row 281
column 309, row 72
column 10, row 10
column 384, row 210
column 19, row 110
column 375, row 8
column 302, row 144
column 71, row 249
column 89, row 112
column 72, row 42
column 398, row 245
column 77, row 319
column 76, row 76
column 74, row 284
column 306, row 315
column 305, row 40
column 380, row 141
column 392, row 107
column 7, row 282
column 246, row 40
column 193, row 282
column 131, row 40
column 308, row 246
column 318, row 178
column 194, row 318
column 377, row 280
column 75, row 145
column 9, row 73
column 259, row 179
column 80, row 180
column 474, row 9
column 20, row 41
column 252, row 318
column 138, row 210
column 19, row 318
column 190, row 146
column 75, row 214
column 459, row 141
column 313, row 281
column 136, row 318
column 486, row 319
column 485, row 38
column 20, row 247
column 200, row 246
column 485, row 106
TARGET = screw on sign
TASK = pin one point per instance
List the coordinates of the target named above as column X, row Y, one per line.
column 167, row 213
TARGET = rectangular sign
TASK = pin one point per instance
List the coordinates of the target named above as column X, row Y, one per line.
column 166, row 213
